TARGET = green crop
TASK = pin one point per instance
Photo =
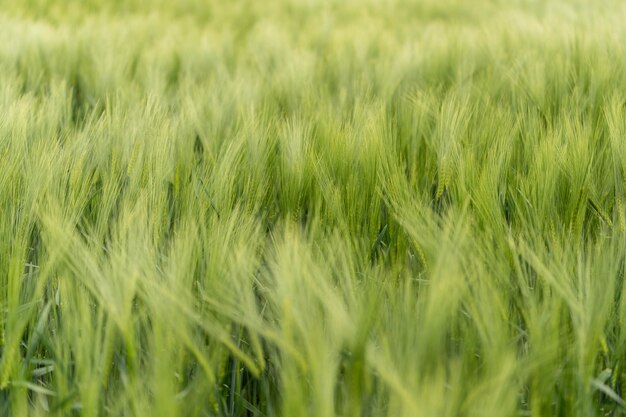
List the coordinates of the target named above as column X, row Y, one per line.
column 312, row 208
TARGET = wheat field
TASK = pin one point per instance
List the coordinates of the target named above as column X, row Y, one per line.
column 320, row 208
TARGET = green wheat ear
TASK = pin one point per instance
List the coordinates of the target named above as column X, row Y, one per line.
column 620, row 213
column 444, row 178
column 578, row 215
column 604, row 346
column 600, row 212
column 114, row 160
column 7, row 363
column 133, row 159
column 420, row 254
column 552, row 233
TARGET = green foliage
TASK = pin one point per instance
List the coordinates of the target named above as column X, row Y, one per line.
column 312, row 208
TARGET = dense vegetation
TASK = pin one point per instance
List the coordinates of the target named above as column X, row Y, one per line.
column 312, row 208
